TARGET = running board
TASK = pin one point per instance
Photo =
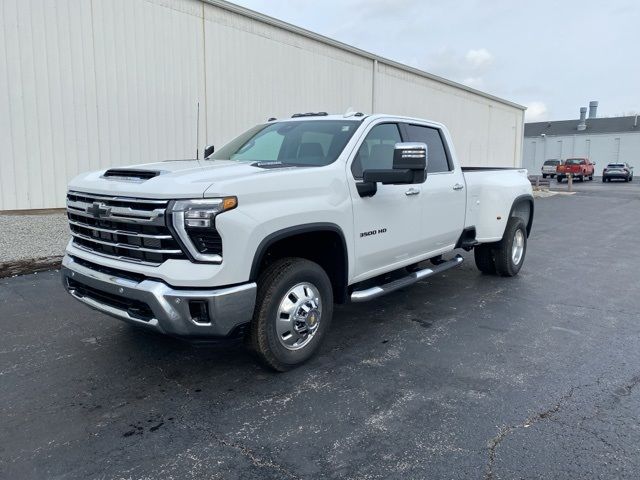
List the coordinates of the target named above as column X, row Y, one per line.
column 379, row 290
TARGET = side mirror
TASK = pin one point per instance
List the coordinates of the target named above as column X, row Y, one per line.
column 208, row 150
column 409, row 166
column 410, row 155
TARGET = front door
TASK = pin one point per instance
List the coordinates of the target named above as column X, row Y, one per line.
column 386, row 225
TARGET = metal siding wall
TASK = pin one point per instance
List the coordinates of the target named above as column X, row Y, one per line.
column 86, row 85
column 256, row 71
column 92, row 84
column 599, row 148
column 485, row 132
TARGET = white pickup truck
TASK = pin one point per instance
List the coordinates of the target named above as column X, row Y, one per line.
column 260, row 238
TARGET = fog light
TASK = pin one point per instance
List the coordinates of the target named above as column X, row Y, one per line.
column 199, row 311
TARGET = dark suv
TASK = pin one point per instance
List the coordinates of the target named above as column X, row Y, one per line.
column 620, row 171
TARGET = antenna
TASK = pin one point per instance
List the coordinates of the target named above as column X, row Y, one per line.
column 197, row 131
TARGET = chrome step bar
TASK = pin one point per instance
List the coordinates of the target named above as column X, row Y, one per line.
column 379, row 290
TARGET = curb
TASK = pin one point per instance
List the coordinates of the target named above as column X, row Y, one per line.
column 29, row 265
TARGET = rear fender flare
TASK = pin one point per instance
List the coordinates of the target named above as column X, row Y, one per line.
column 527, row 198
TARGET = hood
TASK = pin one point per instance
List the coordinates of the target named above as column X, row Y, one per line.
column 169, row 179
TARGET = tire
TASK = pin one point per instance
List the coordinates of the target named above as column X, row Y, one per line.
column 281, row 282
column 591, row 177
column 544, row 175
column 552, row 175
column 508, row 264
column 581, row 178
column 559, row 179
column 483, row 255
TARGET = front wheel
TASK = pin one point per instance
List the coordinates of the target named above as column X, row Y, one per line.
column 544, row 175
column 510, row 252
column 294, row 307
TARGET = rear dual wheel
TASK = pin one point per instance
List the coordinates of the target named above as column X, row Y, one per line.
column 506, row 256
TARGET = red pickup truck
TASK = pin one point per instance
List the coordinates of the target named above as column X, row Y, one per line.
column 580, row 168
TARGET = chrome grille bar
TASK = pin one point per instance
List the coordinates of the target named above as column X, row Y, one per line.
column 119, row 232
column 125, row 245
column 109, row 198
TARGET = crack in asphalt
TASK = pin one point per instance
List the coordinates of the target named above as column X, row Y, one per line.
column 493, row 443
column 257, row 460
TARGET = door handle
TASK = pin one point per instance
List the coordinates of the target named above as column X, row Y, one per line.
column 412, row 191
column 458, row 186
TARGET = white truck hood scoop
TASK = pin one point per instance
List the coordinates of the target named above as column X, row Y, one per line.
column 131, row 174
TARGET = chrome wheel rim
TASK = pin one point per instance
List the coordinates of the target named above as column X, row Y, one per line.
column 299, row 315
column 517, row 249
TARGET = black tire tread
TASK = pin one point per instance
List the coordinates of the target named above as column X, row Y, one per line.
column 267, row 286
column 502, row 253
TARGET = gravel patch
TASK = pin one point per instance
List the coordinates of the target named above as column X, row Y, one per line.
column 25, row 237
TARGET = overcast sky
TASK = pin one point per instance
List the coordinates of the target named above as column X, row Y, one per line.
column 552, row 56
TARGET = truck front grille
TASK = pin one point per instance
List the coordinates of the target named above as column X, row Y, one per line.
column 123, row 228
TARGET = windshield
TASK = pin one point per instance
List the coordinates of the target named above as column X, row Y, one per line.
column 552, row 162
column 301, row 143
column 574, row 161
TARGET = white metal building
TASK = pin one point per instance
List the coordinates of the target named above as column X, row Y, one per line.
column 603, row 140
column 96, row 83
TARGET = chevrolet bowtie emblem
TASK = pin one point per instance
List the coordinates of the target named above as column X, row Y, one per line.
column 98, row 210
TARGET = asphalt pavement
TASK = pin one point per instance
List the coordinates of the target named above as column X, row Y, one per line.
column 460, row 376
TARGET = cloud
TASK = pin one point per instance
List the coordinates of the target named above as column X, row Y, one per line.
column 469, row 68
column 480, row 58
column 536, row 112
column 474, row 82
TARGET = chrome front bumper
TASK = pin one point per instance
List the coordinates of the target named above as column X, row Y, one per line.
column 157, row 306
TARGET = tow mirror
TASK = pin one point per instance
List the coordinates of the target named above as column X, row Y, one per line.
column 411, row 156
column 410, row 162
column 409, row 166
column 208, row 151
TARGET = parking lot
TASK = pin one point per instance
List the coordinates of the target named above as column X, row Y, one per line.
column 460, row 376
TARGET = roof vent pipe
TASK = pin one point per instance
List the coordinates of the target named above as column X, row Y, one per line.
column 635, row 122
column 583, row 113
column 593, row 109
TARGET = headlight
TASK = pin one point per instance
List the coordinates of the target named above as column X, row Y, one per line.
column 194, row 222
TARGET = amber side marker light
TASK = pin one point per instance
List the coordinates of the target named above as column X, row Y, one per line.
column 229, row 202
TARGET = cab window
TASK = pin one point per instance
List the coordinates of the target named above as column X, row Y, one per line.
column 376, row 151
column 437, row 154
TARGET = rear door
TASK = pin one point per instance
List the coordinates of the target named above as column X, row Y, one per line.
column 443, row 195
column 386, row 225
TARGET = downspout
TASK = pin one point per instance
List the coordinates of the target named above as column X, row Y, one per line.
column 373, row 86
